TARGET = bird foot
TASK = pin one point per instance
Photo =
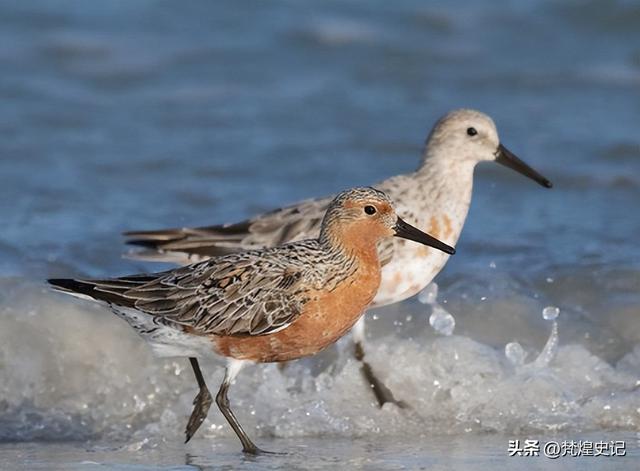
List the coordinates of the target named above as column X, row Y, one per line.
column 201, row 403
column 254, row 451
column 382, row 393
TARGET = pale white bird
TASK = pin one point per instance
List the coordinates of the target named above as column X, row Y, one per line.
column 435, row 198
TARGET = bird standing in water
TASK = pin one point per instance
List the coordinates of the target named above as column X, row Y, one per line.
column 266, row 305
column 434, row 198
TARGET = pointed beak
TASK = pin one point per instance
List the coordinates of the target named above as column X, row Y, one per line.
column 407, row 231
column 505, row 157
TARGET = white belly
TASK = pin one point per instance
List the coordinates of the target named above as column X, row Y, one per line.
column 413, row 266
column 165, row 341
column 410, row 270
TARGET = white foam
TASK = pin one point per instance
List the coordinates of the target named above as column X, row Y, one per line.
column 515, row 353
column 442, row 321
column 70, row 369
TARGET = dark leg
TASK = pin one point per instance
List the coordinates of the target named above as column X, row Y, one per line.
column 223, row 403
column 201, row 403
column 382, row 393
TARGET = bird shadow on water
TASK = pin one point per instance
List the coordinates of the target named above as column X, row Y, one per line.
column 310, row 453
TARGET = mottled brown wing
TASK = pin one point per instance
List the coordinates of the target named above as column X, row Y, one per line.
column 241, row 294
column 289, row 224
column 233, row 295
column 186, row 245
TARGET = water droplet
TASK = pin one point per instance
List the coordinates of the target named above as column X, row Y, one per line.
column 550, row 349
column 515, row 353
column 550, row 313
column 429, row 294
column 441, row 321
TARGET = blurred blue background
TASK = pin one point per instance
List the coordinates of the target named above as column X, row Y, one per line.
column 119, row 115
column 139, row 115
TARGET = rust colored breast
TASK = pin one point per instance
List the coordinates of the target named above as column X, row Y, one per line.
column 439, row 227
column 325, row 319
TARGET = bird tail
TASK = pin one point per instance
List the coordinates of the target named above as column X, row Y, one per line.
column 187, row 245
column 112, row 291
column 76, row 288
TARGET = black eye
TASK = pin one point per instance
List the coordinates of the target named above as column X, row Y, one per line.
column 472, row 131
column 370, row 210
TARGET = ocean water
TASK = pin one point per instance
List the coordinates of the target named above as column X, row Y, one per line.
column 138, row 115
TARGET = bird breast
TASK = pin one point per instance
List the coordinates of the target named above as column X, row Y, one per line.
column 327, row 317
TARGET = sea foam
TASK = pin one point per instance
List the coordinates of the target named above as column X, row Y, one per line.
column 72, row 370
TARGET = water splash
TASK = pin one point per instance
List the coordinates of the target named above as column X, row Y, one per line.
column 440, row 319
column 429, row 294
column 550, row 313
column 71, row 370
column 515, row 353
column 550, row 349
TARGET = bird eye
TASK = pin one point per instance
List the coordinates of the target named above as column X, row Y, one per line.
column 472, row 131
column 370, row 210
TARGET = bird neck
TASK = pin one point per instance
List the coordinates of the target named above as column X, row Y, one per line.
column 444, row 190
column 351, row 242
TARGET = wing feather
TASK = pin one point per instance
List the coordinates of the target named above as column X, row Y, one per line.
column 250, row 293
column 288, row 224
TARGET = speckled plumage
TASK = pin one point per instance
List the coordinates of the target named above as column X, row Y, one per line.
column 434, row 198
column 267, row 305
column 263, row 292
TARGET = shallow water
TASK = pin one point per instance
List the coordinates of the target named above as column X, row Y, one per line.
column 463, row 452
column 134, row 115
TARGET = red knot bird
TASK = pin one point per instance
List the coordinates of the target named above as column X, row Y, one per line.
column 434, row 198
column 264, row 305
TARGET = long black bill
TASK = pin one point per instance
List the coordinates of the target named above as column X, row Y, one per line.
column 507, row 158
column 407, row 231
